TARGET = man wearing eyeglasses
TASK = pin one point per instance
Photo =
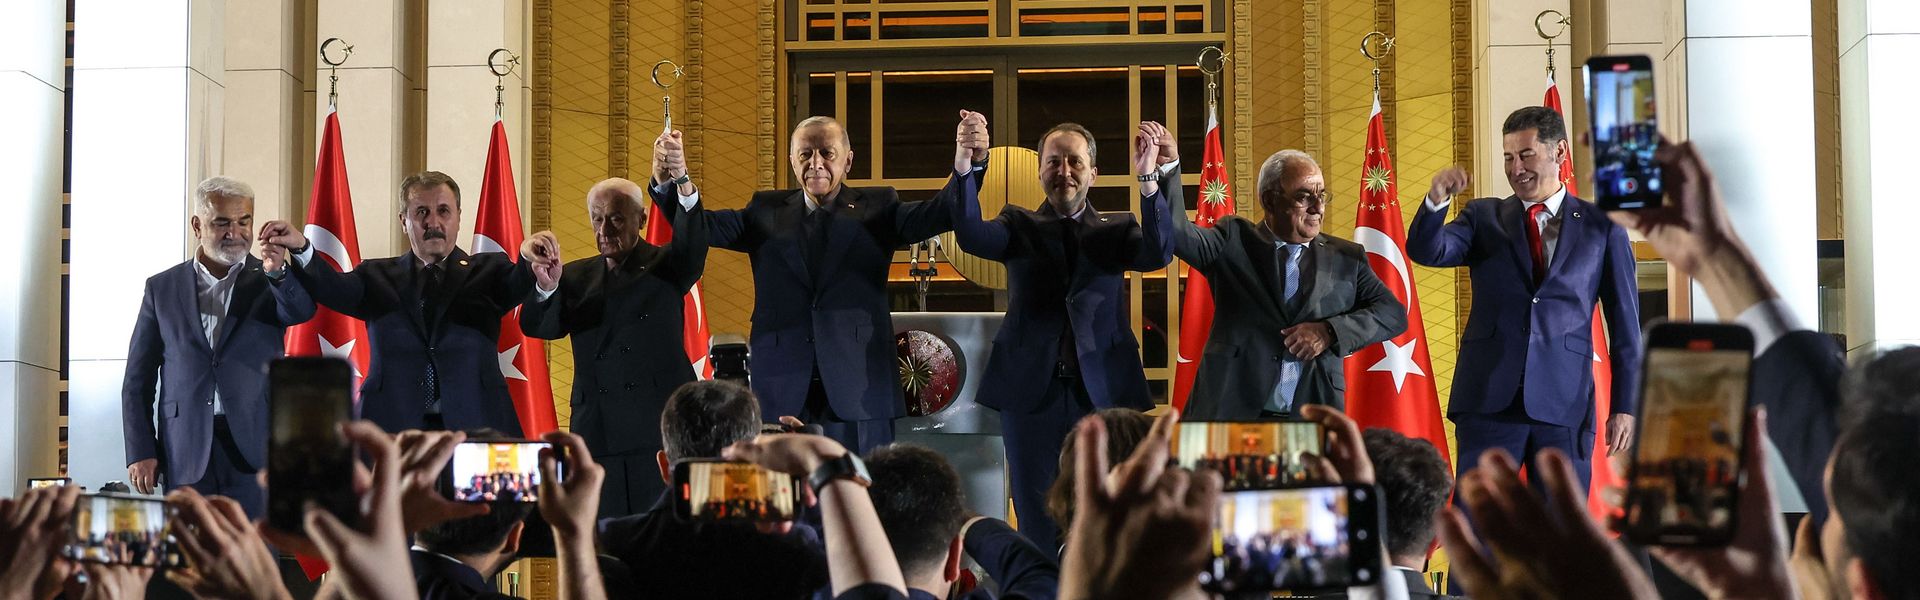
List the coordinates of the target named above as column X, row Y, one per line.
column 1289, row 301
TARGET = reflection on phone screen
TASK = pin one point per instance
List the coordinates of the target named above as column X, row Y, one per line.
column 737, row 491
column 497, row 471
column 1249, row 455
column 1290, row 539
column 119, row 530
column 1686, row 472
column 1625, row 134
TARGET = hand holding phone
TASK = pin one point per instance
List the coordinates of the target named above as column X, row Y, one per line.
column 308, row 459
column 718, row 490
column 1683, row 487
column 120, row 529
column 1297, row 539
column 1252, row 454
column 1625, row 132
column 496, row 471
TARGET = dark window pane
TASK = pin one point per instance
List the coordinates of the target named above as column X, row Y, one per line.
column 1111, row 199
column 1073, row 21
column 1188, row 19
column 1153, row 20
column 1153, row 94
column 922, row 109
column 858, row 26
column 820, row 99
column 933, row 24
column 819, row 27
column 859, row 123
column 1190, row 194
column 1193, row 118
column 1094, row 98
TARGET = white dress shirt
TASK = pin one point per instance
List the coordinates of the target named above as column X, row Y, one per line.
column 1548, row 223
column 214, row 295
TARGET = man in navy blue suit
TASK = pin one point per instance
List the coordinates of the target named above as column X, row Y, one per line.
column 1541, row 259
column 822, row 340
column 1066, row 347
column 206, row 331
column 433, row 313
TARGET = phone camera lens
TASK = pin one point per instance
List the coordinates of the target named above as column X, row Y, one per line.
column 1360, row 495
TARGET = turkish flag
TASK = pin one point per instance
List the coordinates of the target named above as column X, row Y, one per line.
column 694, row 310
column 1196, row 305
column 1603, row 475
column 523, row 361
column 330, row 231
column 1390, row 384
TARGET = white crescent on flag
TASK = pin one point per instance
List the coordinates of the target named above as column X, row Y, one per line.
column 324, row 242
column 483, row 244
column 1378, row 242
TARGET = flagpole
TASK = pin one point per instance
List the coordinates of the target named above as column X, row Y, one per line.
column 333, row 67
column 1560, row 19
column 666, row 100
column 1367, row 46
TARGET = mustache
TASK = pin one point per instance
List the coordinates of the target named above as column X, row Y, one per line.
column 433, row 234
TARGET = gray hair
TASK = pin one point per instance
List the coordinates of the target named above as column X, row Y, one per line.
column 623, row 186
column 1270, row 170
column 822, row 121
column 218, row 185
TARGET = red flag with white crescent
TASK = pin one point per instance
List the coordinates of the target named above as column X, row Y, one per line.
column 330, row 230
column 693, row 310
column 523, row 361
column 1390, row 384
column 1604, row 476
column 1196, row 303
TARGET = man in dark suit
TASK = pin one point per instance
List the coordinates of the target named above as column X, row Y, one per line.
column 1289, row 301
column 206, row 331
column 1066, row 347
column 433, row 313
column 921, row 506
column 674, row 557
column 1541, row 259
column 822, row 341
column 623, row 308
column 454, row 560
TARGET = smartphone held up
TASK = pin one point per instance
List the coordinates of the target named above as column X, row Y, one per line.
column 1625, row 132
column 308, row 458
column 1684, row 483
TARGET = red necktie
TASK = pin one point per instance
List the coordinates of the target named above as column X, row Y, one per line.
column 1535, row 245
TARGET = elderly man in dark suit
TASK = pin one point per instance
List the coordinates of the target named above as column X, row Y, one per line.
column 623, row 310
column 1289, row 301
column 822, row 340
column 206, row 331
column 433, row 313
column 1066, row 347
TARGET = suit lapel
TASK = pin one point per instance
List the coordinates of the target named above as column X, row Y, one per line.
column 1048, row 229
column 455, row 268
column 187, row 299
column 1322, row 281
column 247, row 288
column 846, row 223
column 795, row 215
column 1573, row 217
column 1513, row 219
column 1262, row 254
column 406, row 272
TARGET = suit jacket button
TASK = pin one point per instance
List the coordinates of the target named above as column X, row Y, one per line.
column 643, row 316
column 631, row 385
column 1536, row 300
column 1276, row 357
column 625, row 349
column 809, row 339
column 603, row 390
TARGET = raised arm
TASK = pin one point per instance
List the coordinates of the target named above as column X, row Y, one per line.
column 1151, row 248
column 1023, row 570
column 342, row 292
column 291, row 303
column 1376, row 315
column 544, row 316
column 985, row 239
column 915, row 221
column 1432, row 241
column 687, row 251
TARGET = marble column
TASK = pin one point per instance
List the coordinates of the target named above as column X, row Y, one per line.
column 33, row 85
column 382, row 97
column 461, row 34
column 1879, row 44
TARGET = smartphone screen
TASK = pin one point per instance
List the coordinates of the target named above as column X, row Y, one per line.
column 117, row 529
column 733, row 491
column 1249, row 455
column 307, row 457
column 496, row 471
column 1620, row 106
column 42, row 482
column 1310, row 538
column 1684, row 481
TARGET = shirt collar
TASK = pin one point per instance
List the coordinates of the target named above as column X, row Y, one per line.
column 1552, row 202
column 207, row 277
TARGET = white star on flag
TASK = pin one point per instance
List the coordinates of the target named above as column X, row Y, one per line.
column 1399, row 361
column 506, row 364
column 342, row 352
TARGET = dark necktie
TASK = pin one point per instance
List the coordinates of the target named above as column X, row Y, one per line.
column 818, row 222
column 1069, row 363
column 431, row 278
column 1535, row 244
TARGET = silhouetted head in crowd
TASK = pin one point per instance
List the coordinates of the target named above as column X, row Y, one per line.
column 1125, row 428
column 1872, row 533
column 1888, row 383
column 487, row 542
column 918, row 498
column 1415, row 480
column 703, row 417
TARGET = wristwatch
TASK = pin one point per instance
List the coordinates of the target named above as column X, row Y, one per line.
column 1150, row 177
column 847, row 466
column 683, row 179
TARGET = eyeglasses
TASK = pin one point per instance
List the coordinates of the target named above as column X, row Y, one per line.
column 1305, row 199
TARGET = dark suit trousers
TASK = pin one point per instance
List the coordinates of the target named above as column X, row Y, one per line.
column 859, row 436
column 1523, row 439
column 1033, row 454
column 229, row 474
